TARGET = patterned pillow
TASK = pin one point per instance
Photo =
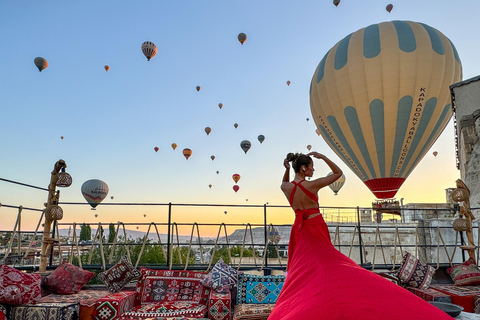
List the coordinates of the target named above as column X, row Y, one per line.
column 252, row 311
column 171, row 285
column 221, row 278
column 119, row 275
column 465, row 274
column 17, row 287
column 67, row 279
column 258, row 289
column 415, row 273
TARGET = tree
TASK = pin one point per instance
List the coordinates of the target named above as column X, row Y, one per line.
column 111, row 233
column 85, row 232
column 271, row 251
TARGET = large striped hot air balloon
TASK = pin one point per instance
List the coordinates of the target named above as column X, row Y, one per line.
column 338, row 184
column 380, row 98
column 94, row 191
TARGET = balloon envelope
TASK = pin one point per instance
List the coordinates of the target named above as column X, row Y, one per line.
column 149, row 49
column 261, row 138
column 309, row 147
column 245, row 145
column 337, row 185
column 236, row 177
column 208, row 130
column 235, row 125
column 336, row 3
column 220, row 105
column 156, row 149
column 198, row 88
column 242, row 37
column 107, row 68
column 174, row 146
column 41, row 63
column 288, row 82
column 379, row 118
column 435, row 153
column 94, row 191
column 187, row 153
column 236, row 188
column 389, row 7
column 212, row 157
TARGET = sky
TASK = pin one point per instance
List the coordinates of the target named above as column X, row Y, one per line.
column 111, row 121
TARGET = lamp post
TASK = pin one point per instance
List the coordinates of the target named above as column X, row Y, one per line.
column 53, row 212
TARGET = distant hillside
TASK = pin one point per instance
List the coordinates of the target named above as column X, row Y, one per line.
column 258, row 235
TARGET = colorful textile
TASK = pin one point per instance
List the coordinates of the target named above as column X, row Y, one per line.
column 171, row 286
column 119, row 275
column 114, row 304
column 221, row 278
column 46, row 311
column 258, row 289
column 415, row 273
column 252, row 311
column 17, row 288
column 220, row 306
column 476, row 304
column 87, row 300
column 67, row 279
column 460, row 295
column 465, row 274
column 166, row 309
column 322, row 283
column 430, row 294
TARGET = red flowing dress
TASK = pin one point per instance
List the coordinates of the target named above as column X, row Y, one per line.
column 322, row 283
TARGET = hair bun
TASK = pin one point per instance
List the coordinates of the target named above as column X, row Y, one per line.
column 290, row 157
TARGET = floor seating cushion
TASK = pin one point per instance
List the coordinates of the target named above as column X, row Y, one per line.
column 430, row 294
column 220, row 306
column 113, row 305
column 46, row 311
column 258, row 311
column 460, row 295
column 67, row 279
column 86, row 299
column 19, row 288
column 119, row 275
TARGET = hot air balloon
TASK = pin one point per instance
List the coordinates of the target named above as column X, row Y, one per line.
column 111, row 197
column 378, row 118
column 236, row 177
column 288, row 82
column 435, row 153
column 242, row 37
column 218, row 172
column 308, row 119
column 225, row 212
column 336, row 3
column 337, row 185
column 96, row 215
column 389, row 8
column 174, row 146
column 317, row 132
column 236, row 188
column 245, row 145
column 220, row 105
column 261, row 138
column 198, row 88
column 235, row 125
column 187, row 153
column 137, row 228
column 208, row 130
column 309, row 147
column 106, row 68
column 212, row 157
column 61, row 137
column 149, row 49
column 210, row 186
column 41, row 63
column 156, row 149
column 274, row 234
column 94, row 191
column 144, row 215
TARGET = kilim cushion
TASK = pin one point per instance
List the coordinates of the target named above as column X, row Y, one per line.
column 17, row 287
column 258, row 289
column 46, row 311
column 252, row 311
column 170, row 286
column 166, row 309
column 465, row 274
column 415, row 273
column 221, row 278
column 67, row 279
column 119, row 275
column 113, row 305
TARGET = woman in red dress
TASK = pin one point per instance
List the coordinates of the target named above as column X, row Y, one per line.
column 321, row 282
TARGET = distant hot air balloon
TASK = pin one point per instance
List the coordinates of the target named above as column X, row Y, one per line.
column 317, row 131
column 94, row 191
column 379, row 119
column 261, row 138
column 156, row 149
column 174, row 146
column 236, row 188
column 41, row 63
column 187, row 153
column 149, row 49
column 111, row 197
column 337, row 185
column 61, row 137
column 236, row 177
column 336, row 2
column 245, row 145
column 218, row 172
column 137, row 228
column 220, row 105
column 210, row 186
column 198, row 88
column 389, row 7
column 235, row 125
column 242, row 37
column 309, row 147
column 435, row 153
column 107, row 68
column 208, row 130
column 288, row 82
column 144, row 215
column 225, row 212
column 212, row 157
column 96, row 215
column 308, row 119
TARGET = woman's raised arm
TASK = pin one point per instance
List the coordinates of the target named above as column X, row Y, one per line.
column 325, row 181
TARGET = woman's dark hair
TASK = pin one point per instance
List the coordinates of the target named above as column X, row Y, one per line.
column 298, row 160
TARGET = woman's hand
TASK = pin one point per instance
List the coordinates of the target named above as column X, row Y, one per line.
column 316, row 155
column 286, row 164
